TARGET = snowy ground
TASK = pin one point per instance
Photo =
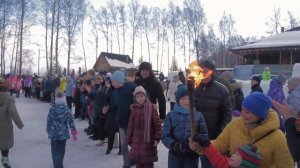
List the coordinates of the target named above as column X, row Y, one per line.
column 32, row 148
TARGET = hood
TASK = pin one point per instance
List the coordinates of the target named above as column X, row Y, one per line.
column 271, row 123
column 275, row 84
column 4, row 97
column 293, row 99
column 181, row 110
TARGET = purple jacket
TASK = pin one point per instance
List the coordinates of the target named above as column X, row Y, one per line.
column 276, row 91
column 27, row 82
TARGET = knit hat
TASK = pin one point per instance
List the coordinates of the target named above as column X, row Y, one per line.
column 208, row 64
column 145, row 66
column 181, row 92
column 250, row 158
column 256, row 78
column 258, row 103
column 118, row 76
column 139, row 89
column 60, row 97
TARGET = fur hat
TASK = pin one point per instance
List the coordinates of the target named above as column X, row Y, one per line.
column 181, row 92
column 145, row 66
column 258, row 104
column 118, row 76
column 250, row 157
column 139, row 89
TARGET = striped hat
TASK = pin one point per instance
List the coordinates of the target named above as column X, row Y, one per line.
column 250, row 158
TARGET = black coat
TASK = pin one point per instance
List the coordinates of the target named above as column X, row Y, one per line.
column 213, row 101
column 154, row 93
column 111, row 125
column 293, row 138
column 256, row 88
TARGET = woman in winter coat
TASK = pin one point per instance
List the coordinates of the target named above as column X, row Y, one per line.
column 110, row 110
column 8, row 113
column 144, row 130
column 18, row 86
column 172, row 91
column 261, row 124
column 294, row 95
column 276, row 93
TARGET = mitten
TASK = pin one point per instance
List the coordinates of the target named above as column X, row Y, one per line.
column 203, row 140
column 74, row 135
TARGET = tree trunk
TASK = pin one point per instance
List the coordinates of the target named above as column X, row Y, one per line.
column 133, row 35
column 148, row 46
column 111, row 39
column 17, row 48
column 141, row 45
column 83, row 45
column 57, row 33
column 69, row 41
column 184, row 52
column 3, row 39
column 168, row 56
column 162, row 50
column 52, row 32
column 97, row 38
column 13, row 50
column 107, row 38
column 189, row 48
column 174, row 38
column 46, row 40
column 21, row 35
column 123, row 38
column 157, row 47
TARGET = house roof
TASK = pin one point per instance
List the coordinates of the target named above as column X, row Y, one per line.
column 286, row 39
column 119, row 57
column 118, row 63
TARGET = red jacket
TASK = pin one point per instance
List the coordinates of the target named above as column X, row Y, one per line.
column 215, row 157
column 140, row 151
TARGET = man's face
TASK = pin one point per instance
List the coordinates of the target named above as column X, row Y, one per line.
column 205, row 72
column 145, row 73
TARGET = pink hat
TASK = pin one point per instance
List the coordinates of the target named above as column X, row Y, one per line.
column 139, row 89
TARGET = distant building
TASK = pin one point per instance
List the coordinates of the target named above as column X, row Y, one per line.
column 111, row 62
column 283, row 48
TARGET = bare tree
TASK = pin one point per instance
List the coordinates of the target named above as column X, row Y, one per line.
column 156, row 21
column 145, row 18
column 274, row 22
column 122, row 19
column 134, row 8
column 103, row 19
column 174, row 13
column 23, row 4
column 53, row 11
column 292, row 20
column 114, row 15
column 57, row 34
column 94, row 29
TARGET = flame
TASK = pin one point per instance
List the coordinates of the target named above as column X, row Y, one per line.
column 197, row 72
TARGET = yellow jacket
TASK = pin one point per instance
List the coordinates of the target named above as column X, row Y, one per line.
column 63, row 84
column 272, row 148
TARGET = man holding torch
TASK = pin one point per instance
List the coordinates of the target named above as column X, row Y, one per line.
column 213, row 100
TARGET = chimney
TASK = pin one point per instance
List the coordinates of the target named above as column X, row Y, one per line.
column 282, row 29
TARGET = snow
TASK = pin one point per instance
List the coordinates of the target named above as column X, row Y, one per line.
column 117, row 63
column 32, row 148
column 286, row 39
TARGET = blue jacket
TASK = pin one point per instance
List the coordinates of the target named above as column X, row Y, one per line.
column 177, row 128
column 70, row 88
column 59, row 121
column 123, row 99
column 48, row 85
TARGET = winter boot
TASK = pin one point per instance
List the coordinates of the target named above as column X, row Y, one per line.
column 5, row 162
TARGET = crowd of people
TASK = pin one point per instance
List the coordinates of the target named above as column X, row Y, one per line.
column 259, row 130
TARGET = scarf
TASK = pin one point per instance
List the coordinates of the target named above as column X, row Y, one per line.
column 256, row 124
column 147, row 120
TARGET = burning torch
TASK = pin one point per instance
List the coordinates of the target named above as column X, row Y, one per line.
column 194, row 76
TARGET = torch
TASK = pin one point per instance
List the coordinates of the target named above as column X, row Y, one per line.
column 194, row 76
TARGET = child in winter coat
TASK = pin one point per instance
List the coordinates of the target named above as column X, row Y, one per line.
column 58, row 123
column 144, row 130
column 177, row 131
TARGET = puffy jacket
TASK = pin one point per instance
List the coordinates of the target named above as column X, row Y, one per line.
column 141, row 151
column 58, row 122
column 70, row 88
column 293, row 138
column 154, row 92
column 213, row 101
column 172, row 91
column 273, row 148
column 177, row 128
column 123, row 99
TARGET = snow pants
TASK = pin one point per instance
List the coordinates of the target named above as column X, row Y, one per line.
column 58, row 152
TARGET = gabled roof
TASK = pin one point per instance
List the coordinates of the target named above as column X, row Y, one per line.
column 119, row 57
column 286, row 39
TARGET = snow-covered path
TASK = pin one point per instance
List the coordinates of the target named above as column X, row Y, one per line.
column 32, row 148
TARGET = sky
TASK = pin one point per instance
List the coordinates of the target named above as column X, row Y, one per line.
column 250, row 15
column 250, row 18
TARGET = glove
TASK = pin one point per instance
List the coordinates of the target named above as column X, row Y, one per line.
column 203, row 140
column 74, row 135
column 177, row 147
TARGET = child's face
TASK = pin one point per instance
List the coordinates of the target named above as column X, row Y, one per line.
column 235, row 160
column 184, row 102
column 140, row 98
